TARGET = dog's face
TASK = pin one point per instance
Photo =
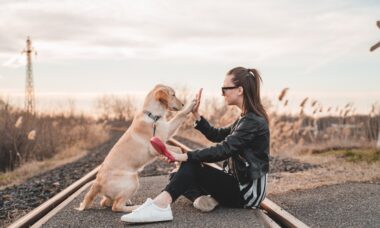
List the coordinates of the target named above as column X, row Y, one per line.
column 166, row 96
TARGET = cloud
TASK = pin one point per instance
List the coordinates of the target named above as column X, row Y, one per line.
column 15, row 61
column 217, row 30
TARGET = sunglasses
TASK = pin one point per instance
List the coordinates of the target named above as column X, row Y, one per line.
column 227, row 88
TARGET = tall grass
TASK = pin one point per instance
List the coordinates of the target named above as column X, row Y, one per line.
column 323, row 129
column 314, row 128
column 25, row 137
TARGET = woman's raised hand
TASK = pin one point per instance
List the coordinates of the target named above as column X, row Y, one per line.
column 196, row 106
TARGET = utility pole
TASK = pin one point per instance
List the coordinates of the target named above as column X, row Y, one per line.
column 29, row 85
column 374, row 47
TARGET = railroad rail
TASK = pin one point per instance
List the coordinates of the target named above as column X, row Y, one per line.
column 271, row 214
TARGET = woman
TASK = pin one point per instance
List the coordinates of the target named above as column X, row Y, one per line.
column 244, row 146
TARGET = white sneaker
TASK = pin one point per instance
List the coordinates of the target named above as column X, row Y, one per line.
column 205, row 203
column 148, row 212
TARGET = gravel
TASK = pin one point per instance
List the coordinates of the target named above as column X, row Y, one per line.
column 17, row 200
column 185, row 215
column 341, row 205
column 279, row 164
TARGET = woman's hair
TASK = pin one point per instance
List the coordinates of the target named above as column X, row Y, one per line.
column 250, row 80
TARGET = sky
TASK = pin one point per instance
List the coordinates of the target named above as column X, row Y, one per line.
column 317, row 49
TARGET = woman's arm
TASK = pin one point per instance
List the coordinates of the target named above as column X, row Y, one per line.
column 233, row 144
column 213, row 134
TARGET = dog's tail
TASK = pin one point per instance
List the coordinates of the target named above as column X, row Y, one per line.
column 94, row 190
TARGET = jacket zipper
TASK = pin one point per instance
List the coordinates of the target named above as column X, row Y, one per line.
column 235, row 173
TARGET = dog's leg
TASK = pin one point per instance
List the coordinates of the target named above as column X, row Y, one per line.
column 94, row 190
column 179, row 118
column 177, row 150
column 106, row 202
column 175, row 123
column 119, row 205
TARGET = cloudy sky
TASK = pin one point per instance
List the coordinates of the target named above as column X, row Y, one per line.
column 318, row 49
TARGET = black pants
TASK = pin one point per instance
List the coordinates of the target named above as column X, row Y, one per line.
column 194, row 179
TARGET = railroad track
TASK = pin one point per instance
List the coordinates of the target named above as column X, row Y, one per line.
column 271, row 214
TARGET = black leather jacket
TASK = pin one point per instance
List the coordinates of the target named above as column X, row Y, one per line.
column 246, row 142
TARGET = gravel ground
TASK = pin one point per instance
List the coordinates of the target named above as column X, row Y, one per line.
column 15, row 201
column 341, row 205
column 185, row 215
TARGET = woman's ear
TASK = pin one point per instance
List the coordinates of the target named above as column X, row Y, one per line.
column 162, row 96
column 240, row 90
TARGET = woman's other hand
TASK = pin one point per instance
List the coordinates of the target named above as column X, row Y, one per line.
column 196, row 106
column 178, row 157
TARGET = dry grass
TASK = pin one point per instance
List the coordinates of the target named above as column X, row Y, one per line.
column 334, row 170
column 26, row 137
column 314, row 130
column 67, row 155
column 298, row 134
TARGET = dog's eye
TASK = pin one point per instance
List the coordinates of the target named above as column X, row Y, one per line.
column 173, row 94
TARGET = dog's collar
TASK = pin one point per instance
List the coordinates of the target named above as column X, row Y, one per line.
column 154, row 118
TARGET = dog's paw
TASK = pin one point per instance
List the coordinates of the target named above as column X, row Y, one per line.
column 79, row 208
column 189, row 107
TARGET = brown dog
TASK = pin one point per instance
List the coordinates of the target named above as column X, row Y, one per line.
column 117, row 179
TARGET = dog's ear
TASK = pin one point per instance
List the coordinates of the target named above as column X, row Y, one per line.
column 162, row 96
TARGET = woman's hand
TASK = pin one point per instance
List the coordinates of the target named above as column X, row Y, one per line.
column 177, row 157
column 196, row 106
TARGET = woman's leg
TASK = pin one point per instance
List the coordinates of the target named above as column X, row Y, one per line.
column 193, row 192
column 223, row 187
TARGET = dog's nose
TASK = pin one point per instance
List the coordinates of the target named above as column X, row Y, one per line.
column 183, row 105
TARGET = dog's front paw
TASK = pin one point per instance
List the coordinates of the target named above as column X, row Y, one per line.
column 189, row 107
column 80, row 208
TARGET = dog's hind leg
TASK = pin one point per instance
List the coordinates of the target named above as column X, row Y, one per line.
column 119, row 205
column 94, row 190
column 106, row 202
